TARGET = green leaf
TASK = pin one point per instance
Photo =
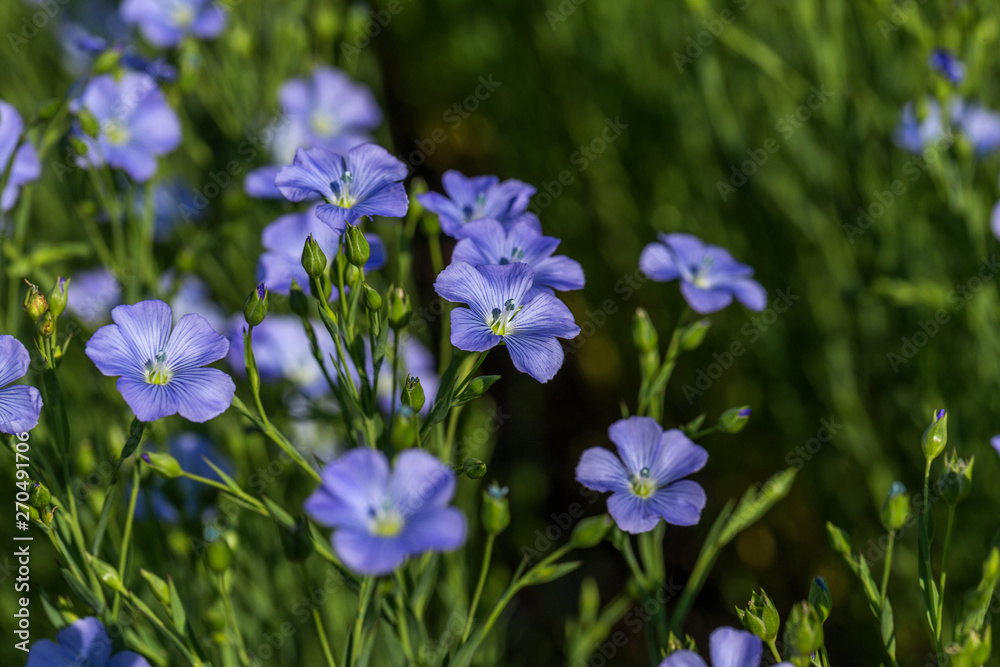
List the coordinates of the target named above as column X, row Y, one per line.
column 888, row 630
column 83, row 592
column 756, row 503
column 543, row 574
column 177, row 614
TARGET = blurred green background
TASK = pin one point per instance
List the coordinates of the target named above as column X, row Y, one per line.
column 688, row 105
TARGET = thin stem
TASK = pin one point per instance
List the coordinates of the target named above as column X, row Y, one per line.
column 887, row 567
column 359, row 624
column 487, row 555
column 227, row 604
column 944, row 569
column 126, row 538
column 774, row 650
column 404, row 630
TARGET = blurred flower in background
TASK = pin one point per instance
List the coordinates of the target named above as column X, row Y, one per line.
column 92, row 295
column 23, row 160
column 947, row 65
column 165, row 23
column 85, row 642
column 20, row 405
column 479, row 198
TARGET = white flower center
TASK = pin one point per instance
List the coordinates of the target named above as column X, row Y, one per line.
column 642, row 484
column 501, row 320
column 183, row 15
column 157, row 370
column 342, row 190
column 117, row 133
column 386, row 521
column 322, row 124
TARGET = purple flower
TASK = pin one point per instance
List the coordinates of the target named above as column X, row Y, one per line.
column 981, row 126
column 19, row 405
column 944, row 62
column 283, row 240
column 381, row 518
column 92, row 295
column 729, row 648
column 25, row 166
column 489, row 242
column 259, row 183
column 995, row 443
column 365, row 181
column 645, row 479
column 136, row 124
column 161, row 372
column 165, row 23
column 86, row 642
column 499, row 311
column 915, row 134
column 709, row 275
column 476, row 198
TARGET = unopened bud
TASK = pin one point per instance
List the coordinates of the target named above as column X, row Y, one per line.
column 356, row 247
column 219, row 556
column 734, row 419
column 107, row 574
column 164, row 465
column 896, row 507
column 803, row 633
column 760, row 616
column 40, row 496
column 313, row 258
column 590, row 532
column 935, row 436
column 46, row 324
column 473, row 468
column 955, row 483
column 59, row 296
column 399, row 308
column 373, row 300
column 820, row 598
column 693, row 334
column 495, row 513
column 644, row 335
column 413, row 394
column 255, row 307
column 88, row 123
column 35, row 303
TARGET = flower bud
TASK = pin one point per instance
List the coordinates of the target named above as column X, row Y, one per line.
column 313, row 258
column 352, row 274
column 40, row 496
column 298, row 301
column 495, row 513
column 159, row 587
column 59, row 296
column 79, row 146
column 820, row 599
column 107, row 574
column 164, row 465
column 356, row 246
column 590, row 532
column 255, row 307
column 896, row 507
column 693, row 334
column 373, row 300
column 803, row 633
column 472, row 468
column 476, row 388
column 88, row 123
column 956, row 478
column 46, row 324
column 107, row 62
column 35, row 303
column 734, row 419
column 935, row 436
column 296, row 541
column 413, row 394
column 644, row 334
column 760, row 617
column 219, row 556
column 399, row 308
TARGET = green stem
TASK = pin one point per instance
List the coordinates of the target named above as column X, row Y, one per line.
column 404, row 629
column 227, row 604
column 774, row 650
column 944, row 570
column 367, row 588
column 265, row 425
column 887, row 567
column 126, row 538
column 487, row 554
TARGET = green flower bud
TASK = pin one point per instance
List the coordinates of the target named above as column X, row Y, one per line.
column 734, row 419
column 164, row 465
column 79, row 147
column 399, row 308
column 33, row 514
column 59, row 296
column 413, row 394
column 373, row 300
column 803, row 633
column 760, row 617
column 693, row 334
column 46, row 324
column 298, row 301
column 88, row 123
column 35, row 303
column 313, row 258
column 820, row 599
column 353, row 275
column 955, row 483
column 495, row 513
column 472, row 468
column 255, row 307
column 219, row 556
column 590, row 532
column 296, row 541
column 40, row 496
column 839, row 540
column 935, row 436
column 159, row 587
column 107, row 574
column 896, row 507
column 107, row 62
column 644, row 334
column 356, row 246
column 49, row 109
column 402, row 430
column 476, row 388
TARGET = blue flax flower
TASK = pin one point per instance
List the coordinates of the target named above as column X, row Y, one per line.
column 24, row 165
column 499, row 310
column 283, row 240
column 981, row 126
column 489, row 242
column 136, row 124
column 365, row 181
column 995, row 443
column 161, row 371
column 729, row 647
column 709, row 275
column 19, row 405
column 646, row 478
column 328, row 110
column 381, row 518
column 944, row 62
column 165, row 23
column 476, row 198
column 86, row 642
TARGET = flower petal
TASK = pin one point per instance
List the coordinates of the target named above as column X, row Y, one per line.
column 750, row 294
column 128, row 659
column 677, row 457
column 540, row 356
column 436, row 529
column 14, row 359
column 148, row 402
column 194, row 343
column 601, row 470
column 680, row 503
column 20, row 407
column 312, row 172
column 638, row 440
column 369, row 554
column 705, row 301
column 46, row 653
column 471, row 333
column 145, row 327
column 87, row 640
column 631, row 513
column 352, row 484
column 735, row 648
column 684, row 659
column 420, row 480
column 202, row 393
column 658, row 263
